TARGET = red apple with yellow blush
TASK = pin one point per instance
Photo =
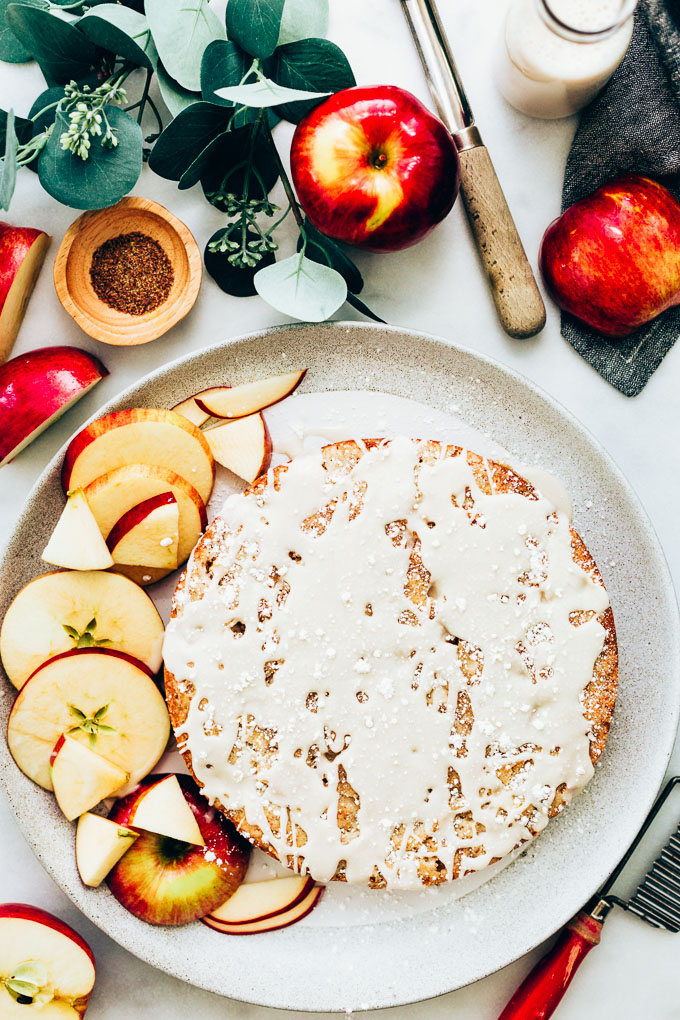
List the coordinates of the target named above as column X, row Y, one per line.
column 374, row 168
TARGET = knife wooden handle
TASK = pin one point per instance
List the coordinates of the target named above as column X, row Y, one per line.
column 518, row 300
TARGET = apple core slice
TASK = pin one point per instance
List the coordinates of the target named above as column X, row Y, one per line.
column 248, row 398
column 257, row 901
column 162, row 808
column 81, row 778
column 76, row 541
column 153, row 436
column 273, row 923
column 104, row 699
column 148, row 534
column 100, row 844
column 67, row 609
column 243, row 446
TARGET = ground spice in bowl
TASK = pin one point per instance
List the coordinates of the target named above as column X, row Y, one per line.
column 131, row 273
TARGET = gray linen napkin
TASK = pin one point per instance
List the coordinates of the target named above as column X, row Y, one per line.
column 632, row 126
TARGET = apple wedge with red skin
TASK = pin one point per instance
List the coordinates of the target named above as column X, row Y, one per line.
column 22, row 253
column 140, row 435
column 613, row 258
column 274, row 923
column 36, row 946
column 258, row 901
column 100, row 844
column 148, row 534
column 170, row 882
column 162, row 808
column 374, row 168
column 248, row 398
column 36, row 388
column 244, row 446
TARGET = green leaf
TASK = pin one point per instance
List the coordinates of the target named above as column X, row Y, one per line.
column 221, row 172
column 266, row 92
column 323, row 250
column 314, row 65
column 357, row 303
column 121, row 31
column 255, row 25
column 60, row 48
column 104, row 177
column 11, row 49
column 301, row 288
column 174, row 95
column 22, row 127
column 186, row 137
column 8, row 177
column 182, row 29
column 303, row 19
column 224, row 63
column 230, row 279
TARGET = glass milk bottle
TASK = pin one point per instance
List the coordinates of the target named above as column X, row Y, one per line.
column 556, row 55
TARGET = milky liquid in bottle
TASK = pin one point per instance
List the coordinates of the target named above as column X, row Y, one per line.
column 545, row 73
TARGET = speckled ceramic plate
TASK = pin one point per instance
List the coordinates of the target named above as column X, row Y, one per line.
column 393, row 960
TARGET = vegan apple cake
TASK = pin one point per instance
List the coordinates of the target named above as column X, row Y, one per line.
column 391, row 662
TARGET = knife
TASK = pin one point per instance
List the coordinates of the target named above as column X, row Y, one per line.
column 515, row 293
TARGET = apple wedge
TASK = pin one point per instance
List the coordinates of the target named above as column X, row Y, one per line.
column 36, row 388
column 41, row 957
column 104, row 699
column 272, row 923
column 141, row 435
column 258, row 901
column 243, row 446
column 162, row 808
column 248, row 398
column 81, row 778
column 100, row 844
column 190, row 409
column 76, row 541
column 22, row 253
column 63, row 610
column 164, row 881
column 148, row 534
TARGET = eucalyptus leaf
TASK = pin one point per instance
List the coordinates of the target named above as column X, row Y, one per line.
column 224, row 63
column 8, row 176
column 225, row 170
column 62, row 51
column 230, row 279
column 302, row 288
column 104, row 177
column 11, row 49
column 255, row 25
column 315, row 65
column 266, row 92
column 303, row 19
column 174, row 95
column 182, row 29
column 121, row 31
column 23, row 129
column 357, row 303
column 322, row 249
column 186, row 137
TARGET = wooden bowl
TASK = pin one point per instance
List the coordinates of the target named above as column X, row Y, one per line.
column 72, row 271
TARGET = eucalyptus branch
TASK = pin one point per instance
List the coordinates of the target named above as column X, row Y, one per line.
column 287, row 186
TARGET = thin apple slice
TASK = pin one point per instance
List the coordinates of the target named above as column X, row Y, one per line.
column 258, row 901
column 112, row 495
column 76, row 541
column 162, row 808
column 148, row 534
column 273, row 923
column 62, row 610
column 248, row 398
column 100, row 844
column 243, row 446
column 141, row 435
column 81, row 778
column 103, row 698
column 190, row 409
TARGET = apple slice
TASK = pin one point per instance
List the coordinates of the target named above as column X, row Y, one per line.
column 162, row 808
column 258, row 901
column 141, row 435
column 36, row 388
column 190, row 409
column 66, row 609
column 248, row 398
column 243, row 446
column 22, row 253
column 100, row 844
column 101, row 697
column 50, row 957
column 274, row 922
column 76, row 541
column 163, row 881
column 148, row 534
column 81, row 778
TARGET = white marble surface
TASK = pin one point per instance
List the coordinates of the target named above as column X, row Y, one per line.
column 437, row 287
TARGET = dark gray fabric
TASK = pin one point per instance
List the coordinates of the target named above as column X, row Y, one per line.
column 633, row 125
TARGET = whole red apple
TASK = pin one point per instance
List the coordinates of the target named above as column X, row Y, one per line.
column 374, row 168
column 22, row 251
column 613, row 259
